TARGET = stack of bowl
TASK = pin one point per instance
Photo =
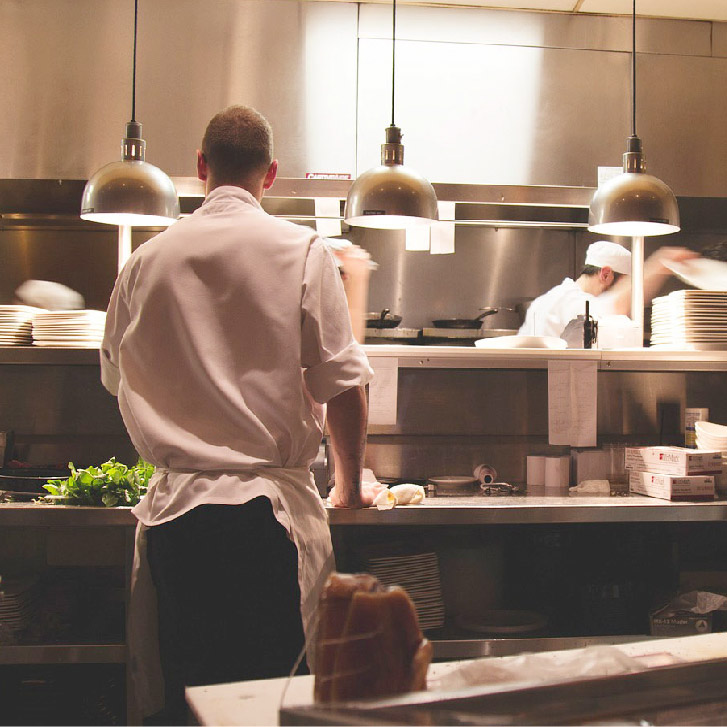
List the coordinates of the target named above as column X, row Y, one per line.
column 713, row 436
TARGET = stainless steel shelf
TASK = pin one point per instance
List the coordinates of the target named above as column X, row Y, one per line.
column 464, row 357
column 33, row 203
column 445, row 357
column 63, row 654
column 48, row 356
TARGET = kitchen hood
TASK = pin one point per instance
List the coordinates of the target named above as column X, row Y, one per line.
column 55, row 203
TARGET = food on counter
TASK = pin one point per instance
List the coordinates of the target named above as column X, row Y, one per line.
column 385, row 500
column 407, row 493
column 111, row 484
column 369, row 642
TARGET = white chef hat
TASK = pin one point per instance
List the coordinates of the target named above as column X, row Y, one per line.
column 603, row 253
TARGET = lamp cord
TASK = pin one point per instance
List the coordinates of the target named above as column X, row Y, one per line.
column 633, row 69
column 133, row 79
column 393, row 60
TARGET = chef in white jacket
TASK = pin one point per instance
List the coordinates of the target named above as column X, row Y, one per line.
column 604, row 283
column 226, row 336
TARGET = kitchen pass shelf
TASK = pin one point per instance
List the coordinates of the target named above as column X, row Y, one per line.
column 463, row 357
column 444, row 357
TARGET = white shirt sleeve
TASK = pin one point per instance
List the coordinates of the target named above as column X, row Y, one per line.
column 332, row 359
column 117, row 320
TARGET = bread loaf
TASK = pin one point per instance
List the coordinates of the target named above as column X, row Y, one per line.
column 369, row 642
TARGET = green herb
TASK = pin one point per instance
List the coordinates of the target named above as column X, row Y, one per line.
column 111, row 484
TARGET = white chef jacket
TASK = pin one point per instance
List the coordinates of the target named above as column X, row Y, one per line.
column 549, row 314
column 225, row 336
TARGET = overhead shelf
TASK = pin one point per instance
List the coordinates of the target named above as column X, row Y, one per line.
column 51, row 202
column 33, row 203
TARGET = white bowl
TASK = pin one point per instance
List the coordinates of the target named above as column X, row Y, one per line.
column 521, row 342
column 703, row 446
column 710, row 430
column 711, row 446
column 711, row 442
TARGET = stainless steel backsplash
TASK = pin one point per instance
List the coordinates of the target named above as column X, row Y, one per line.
column 482, row 96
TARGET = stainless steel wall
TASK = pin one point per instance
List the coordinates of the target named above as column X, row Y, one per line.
column 67, row 70
column 449, row 420
column 482, row 95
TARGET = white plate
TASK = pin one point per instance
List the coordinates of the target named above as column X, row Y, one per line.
column 56, row 335
column 81, row 315
column 521, row 342
column 54, row 344
column 20, row 309
column 701, row 272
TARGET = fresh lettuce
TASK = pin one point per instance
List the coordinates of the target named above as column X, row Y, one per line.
column 111, row 484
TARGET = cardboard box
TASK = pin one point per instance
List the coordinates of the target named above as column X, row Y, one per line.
column 672, row 487
column 674, row 460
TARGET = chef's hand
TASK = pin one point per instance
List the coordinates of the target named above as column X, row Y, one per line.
column 347, row 497
column 654, row 265
column 353, row 497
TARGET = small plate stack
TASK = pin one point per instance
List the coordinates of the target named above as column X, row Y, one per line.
column 18, row 600
column 16, row 323
column 418, row 575
column 711, row 436
column 69, row 328
column 690, row 320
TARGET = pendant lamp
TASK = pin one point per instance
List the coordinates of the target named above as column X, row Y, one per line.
column 131, row 192
column 634, row 204
column 390, row 196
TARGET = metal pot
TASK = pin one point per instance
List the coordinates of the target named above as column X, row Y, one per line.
column 385, row 319
column 465, row 322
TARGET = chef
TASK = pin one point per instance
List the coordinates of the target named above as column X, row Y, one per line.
column 226, row 335
column 604, row 282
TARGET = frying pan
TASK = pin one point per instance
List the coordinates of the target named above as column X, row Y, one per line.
column 465, row 322
column 385, row 319
column 30, row 479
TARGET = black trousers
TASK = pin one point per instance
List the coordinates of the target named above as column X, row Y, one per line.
column 226, row 578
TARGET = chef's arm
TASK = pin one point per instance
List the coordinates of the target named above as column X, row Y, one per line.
column 655, row 275
column 347, row 418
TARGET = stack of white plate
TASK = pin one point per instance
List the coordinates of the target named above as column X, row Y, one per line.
column 690, row 320
column 713, row 436
column 418, row 575
column 18, row 600
column 16, row 324
column 69, row 328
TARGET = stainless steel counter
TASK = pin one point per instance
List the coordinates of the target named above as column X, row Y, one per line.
column 522, row 510
column 31, row 514
column 515, row 510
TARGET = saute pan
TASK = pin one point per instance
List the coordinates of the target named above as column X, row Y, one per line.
column 465, row 322
column 385, row 319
